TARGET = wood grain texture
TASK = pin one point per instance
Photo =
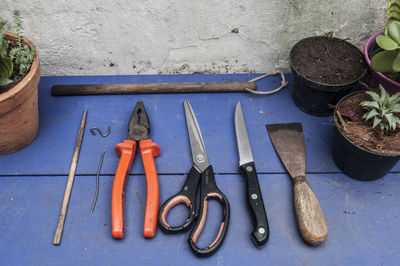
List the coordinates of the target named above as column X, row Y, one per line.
column 70, row 182
column 19, row 113
column 309, row 215
column 184, row 87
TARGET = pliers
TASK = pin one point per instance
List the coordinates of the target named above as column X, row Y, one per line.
column 138, row 131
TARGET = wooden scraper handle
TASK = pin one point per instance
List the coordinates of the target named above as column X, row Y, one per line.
column 185, row 87
column 310, row 218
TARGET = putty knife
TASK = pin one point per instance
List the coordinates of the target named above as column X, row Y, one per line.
column 288, row 141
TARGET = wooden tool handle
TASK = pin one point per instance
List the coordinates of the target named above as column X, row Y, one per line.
column 70, row 182
column 93, row 89
column 310, row 218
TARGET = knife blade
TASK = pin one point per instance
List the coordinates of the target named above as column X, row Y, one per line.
column 247, row 169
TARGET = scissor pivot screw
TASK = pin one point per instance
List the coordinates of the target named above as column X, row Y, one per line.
column 249, row 168
column 200, row 158
column 254, row 196
column 261, row 230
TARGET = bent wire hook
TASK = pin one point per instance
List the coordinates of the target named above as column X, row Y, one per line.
column 93, row 129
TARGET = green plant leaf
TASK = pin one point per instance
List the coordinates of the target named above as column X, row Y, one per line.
column 383, row 126
column 393, row 2
column 2, row 24
column 395, row 97
column 383, row 61
column 394, row 31
column 373, row 95
column 389, row 117
column 3, row 47
column 393, row 14
column 371, row 114
column 370, row 104
column 6, row 67
column 386, row 43
column 391, row 121
column 393, row 8
column 4, row 81
column 397, row 120
column 396, row 63
column 396, row 108
column 376, row 122
column 384, row 95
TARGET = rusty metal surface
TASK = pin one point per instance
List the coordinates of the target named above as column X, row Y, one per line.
column 288, row 141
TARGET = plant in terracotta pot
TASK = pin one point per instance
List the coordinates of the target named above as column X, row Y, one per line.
column 19, row 78
column 367, row 134
column 324, row 70
column 382, row 52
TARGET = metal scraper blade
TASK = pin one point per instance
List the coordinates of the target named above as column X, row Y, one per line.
column 288, row 141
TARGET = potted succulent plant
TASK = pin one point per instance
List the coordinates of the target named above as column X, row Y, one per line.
column 19, row 78
column 324, row 70
column 382, row 52
column 367, row 134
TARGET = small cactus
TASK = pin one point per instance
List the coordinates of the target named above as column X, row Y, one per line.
column 382, row 109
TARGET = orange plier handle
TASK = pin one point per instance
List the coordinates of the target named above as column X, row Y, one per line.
column 126, row 152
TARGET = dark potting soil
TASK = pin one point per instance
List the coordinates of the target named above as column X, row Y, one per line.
column 328, row 60
column 360, row 132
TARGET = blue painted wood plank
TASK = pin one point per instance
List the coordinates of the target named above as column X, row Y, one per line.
column 363, row 220
column 51, row 151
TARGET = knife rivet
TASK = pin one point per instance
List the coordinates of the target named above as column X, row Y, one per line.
column 254, row 196
column 261, row 230
column 249, row 168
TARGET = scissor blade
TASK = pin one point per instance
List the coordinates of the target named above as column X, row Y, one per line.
column 242, row 139
column 199, row 155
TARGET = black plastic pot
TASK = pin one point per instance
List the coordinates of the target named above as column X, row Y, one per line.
column 358, row 162
column 318, row 98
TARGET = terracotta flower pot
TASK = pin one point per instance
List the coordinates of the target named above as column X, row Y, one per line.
column 19, row 112
column 375, row 78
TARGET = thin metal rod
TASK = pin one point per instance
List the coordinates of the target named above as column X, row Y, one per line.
column 97, row 182
column 70, row 181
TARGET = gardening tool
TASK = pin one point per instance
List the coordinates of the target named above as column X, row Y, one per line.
column 138, row 131
column 181, row 87
column 248, row 171
column 288, row 140
column 202, row 171
column 70, row 182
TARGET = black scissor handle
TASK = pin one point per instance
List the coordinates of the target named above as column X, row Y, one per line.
column 209, row 190
column 187, row 196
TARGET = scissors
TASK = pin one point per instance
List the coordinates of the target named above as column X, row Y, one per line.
column 201, row 171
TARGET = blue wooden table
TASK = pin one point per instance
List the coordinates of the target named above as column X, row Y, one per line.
column 363, row 217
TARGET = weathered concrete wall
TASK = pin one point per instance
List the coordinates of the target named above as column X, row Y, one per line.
column 103, row 37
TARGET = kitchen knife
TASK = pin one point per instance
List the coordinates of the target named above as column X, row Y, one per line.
column 248, row 171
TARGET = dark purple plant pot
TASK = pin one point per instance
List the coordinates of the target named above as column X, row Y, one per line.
column 375, row 78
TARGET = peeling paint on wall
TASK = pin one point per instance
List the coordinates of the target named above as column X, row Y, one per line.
column 162, row 37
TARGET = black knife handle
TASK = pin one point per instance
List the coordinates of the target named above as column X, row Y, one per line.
column 254, row 198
